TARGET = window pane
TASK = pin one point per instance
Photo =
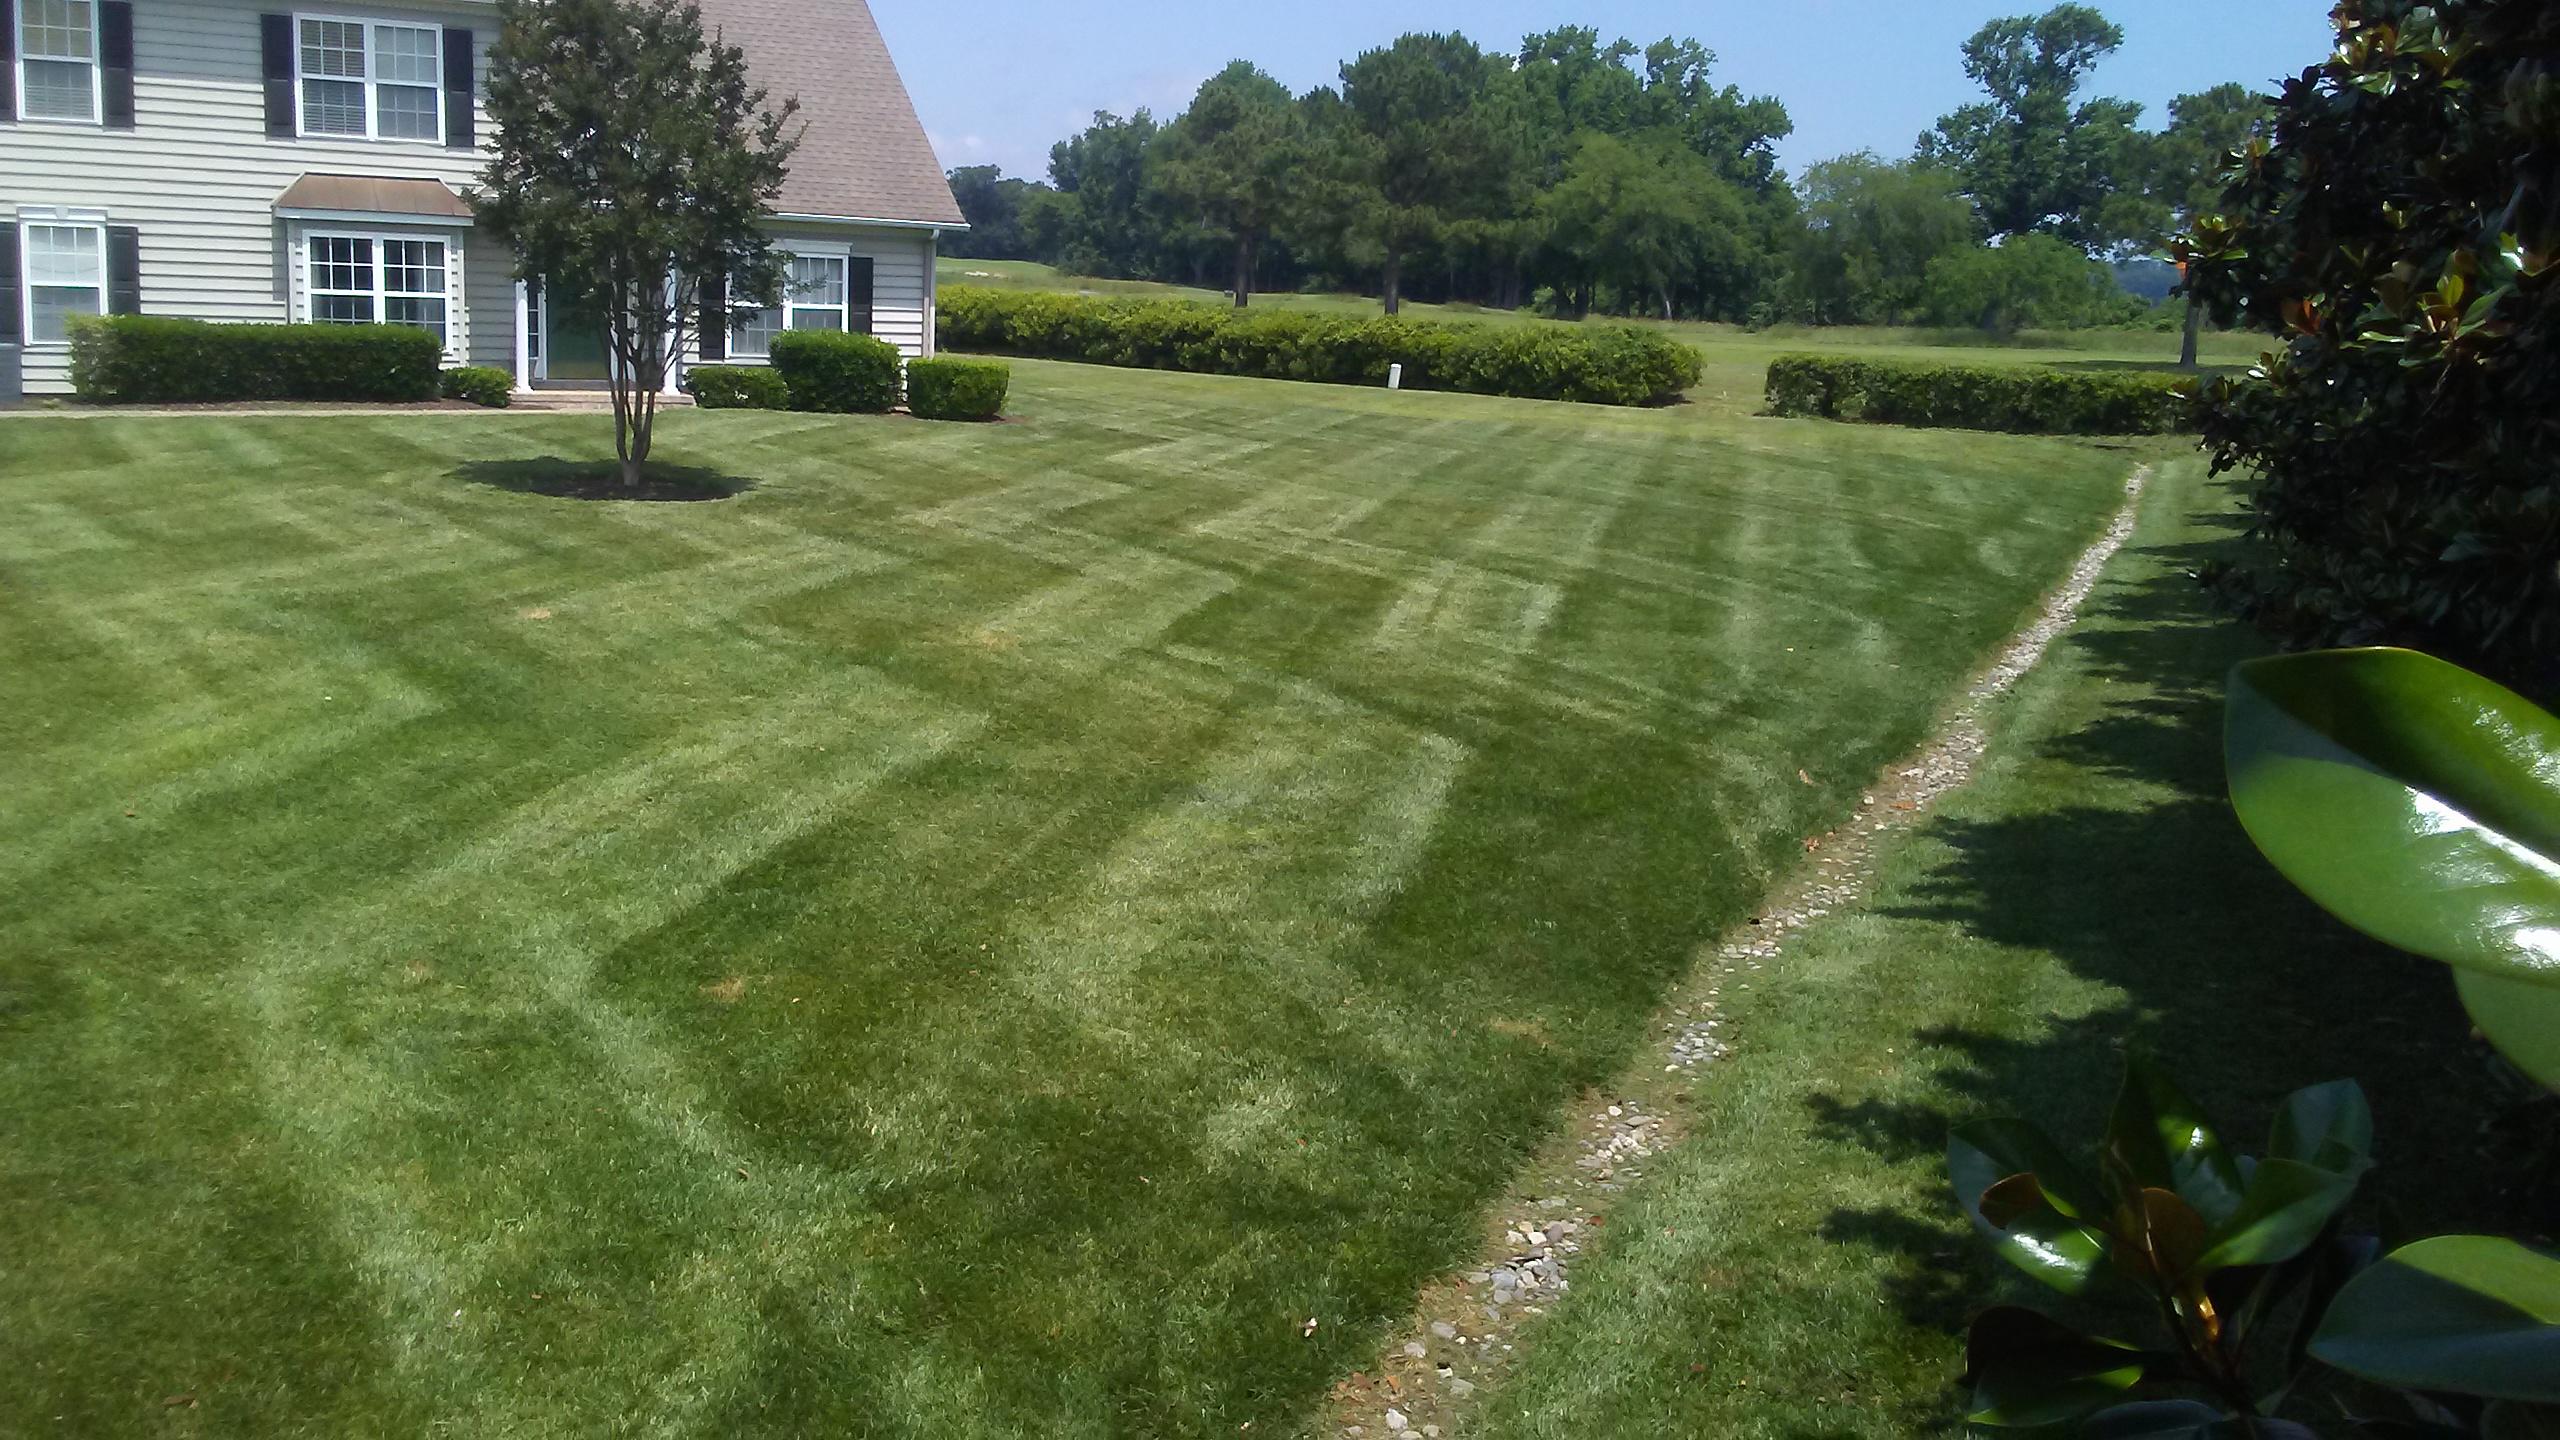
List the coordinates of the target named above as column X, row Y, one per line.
column 406, row 112
column 413, row 267
column 342, row 309
column 58, row 30
column 61, row 90
column 52, row 307
column 408, row 55
column 805, row 318
column 333, row 48
column 333, row 107
column 751, row 332
column 817, row 280
column 425, row 314
column 66, row 255
column 338, row 264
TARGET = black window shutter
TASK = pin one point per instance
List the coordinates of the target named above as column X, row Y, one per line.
column 859, row 279
column 8, row 68
column 115, row 63
column 461, row 60
column 714, row 319
column 11, row 302
column 124, row 270
column 275, row 58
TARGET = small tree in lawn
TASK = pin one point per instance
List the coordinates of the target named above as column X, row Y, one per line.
column 634, row 161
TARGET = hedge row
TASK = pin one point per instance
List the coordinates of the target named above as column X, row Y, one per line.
column 849, row 375
column 1589, row 364
column 737, row 387
column 837, row 373
column 2020, row 399
column 152, row 360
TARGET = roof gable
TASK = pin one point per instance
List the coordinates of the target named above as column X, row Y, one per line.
column 864, row 155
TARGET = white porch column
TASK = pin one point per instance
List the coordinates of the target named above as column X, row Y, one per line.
column 524, row 340
column 674, row 384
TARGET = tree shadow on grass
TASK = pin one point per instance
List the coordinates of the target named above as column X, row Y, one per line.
column 602, row 480
column 2225, row 971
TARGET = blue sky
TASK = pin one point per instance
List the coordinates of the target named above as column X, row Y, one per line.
column 999, row 81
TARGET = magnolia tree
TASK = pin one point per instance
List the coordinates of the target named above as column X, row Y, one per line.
column 633, row 164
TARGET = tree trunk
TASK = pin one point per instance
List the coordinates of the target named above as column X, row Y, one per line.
column 1244, row 270
column 1395, row 282
column 2190, row 353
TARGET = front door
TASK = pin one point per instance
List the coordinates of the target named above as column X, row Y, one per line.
column 573, row 348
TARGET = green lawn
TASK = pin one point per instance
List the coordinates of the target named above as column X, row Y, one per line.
column 989, row 932
column 1798, row 1268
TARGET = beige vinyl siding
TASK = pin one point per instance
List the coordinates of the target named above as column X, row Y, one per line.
column 901, row 276
column 199, row 179
column 489, row 295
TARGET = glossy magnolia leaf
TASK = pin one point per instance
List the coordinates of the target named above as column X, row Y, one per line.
column 2163, row 1141
column 2036, row 1226
column 2029, row 1370
column 2327, row 1126
column 2515, row 1420
column 2154, row 1420
column 2287, row 1206
column 2521, row 1019
column 2412, row 799
column 2467, row 1314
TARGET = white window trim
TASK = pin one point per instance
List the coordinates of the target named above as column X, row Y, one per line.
column 382, row 297
column 26, row 272
column 97, row 68
column 372, row 104
column 844, row 255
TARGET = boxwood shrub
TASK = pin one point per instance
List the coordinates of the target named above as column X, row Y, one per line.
column 738, row 387
column 838, row 373
column 2020, row 399
column 1590, row 364
column 484, row 385
column 154, row 360
column 947, row 388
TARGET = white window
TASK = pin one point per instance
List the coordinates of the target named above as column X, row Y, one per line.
column 66, row 275
column 367, row 80
column 58, row 60
column 379, row 280
column 813, row 299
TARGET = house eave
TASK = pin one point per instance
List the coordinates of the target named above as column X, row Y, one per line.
column 946, row 226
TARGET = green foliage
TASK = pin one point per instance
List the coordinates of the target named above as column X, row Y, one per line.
column 150, row 359
column 836, row 373
column 738, row 387
column 634, row 159
column 2468, row 1314
column 1232, row 161
column 1594, row 366
column 1438, row 135
column 2028, row 282
column 483, row 385
column 1870, row 231
column 1629, row 215
column 2031, row 159
column 2400, row 236
column 997, row 211
column 946, row 387
column 2025, row 400
column 1101, row 216
column 2171, row 1223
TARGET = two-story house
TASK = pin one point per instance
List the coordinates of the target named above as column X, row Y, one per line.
column 228, row 160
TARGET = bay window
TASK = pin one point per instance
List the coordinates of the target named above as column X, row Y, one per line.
column 58, row 60
column 379, row 280
column 66, row 275
column 369, row 80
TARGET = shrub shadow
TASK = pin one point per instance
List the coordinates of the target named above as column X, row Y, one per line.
column 2226, row 972
column 602, row 480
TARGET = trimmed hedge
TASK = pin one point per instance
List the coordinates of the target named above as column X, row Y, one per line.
column 149, row 359
column 945, row 388
column 837, row 373
column 2019, row 399
column 483, row 385
column 1588, row 364
column 738, row 387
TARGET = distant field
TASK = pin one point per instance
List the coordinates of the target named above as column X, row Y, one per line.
column 1737, row 359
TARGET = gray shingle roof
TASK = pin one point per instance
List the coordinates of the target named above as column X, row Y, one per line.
column 865, row 155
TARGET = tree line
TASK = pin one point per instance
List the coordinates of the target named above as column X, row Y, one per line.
column 1584, row 175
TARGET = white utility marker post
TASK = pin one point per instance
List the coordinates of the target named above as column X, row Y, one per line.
column 1395, row 377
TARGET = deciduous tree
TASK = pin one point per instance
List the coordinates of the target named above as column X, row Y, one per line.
column 2034, row 157
column 633, row 163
